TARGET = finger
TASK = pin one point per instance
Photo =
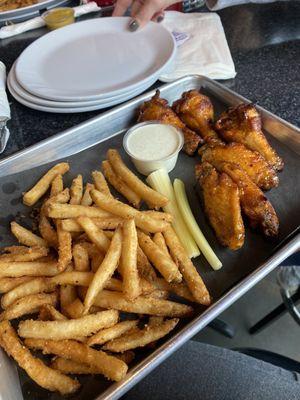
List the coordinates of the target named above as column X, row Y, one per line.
column 121, row 7
column 136, row 6
column 147, row 11
column 158, row 17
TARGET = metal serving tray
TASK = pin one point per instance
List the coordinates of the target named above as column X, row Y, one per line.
column 85, row 145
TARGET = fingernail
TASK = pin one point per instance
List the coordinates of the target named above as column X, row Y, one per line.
column 134, row 25
column 160, row 18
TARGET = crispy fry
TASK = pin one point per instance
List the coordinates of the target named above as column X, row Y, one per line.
column 113, row 332
column 145, row 269
column 28, row 268
column 154, row 321
column 32, row 254
column 57, row 185
column 71, row 225
column 189, row 272
column 142, row 305
column 180, row 289
column 34, row 286
column 15, row 249
column 76, row 190
column 122, row 210
column 60, row 198
column 67, row 294
column 75, row 309
column 163, row 216
column 86, row 198
column 110, row 366
column 105, row 271
column 64, row 247
column 50, row 313
column 100, row 183
column 7, row 284
column 56, row 210
column 141, row 338
column 119, row 185
column 81, row 258
column 128, row 262
column 26, row 237
column 47, row 232
column 44, row 376
column 134, row 182
column 69, row 329
column 41, row 187
column 164, row 264
column 97, row 261
column 75, row 278
column 95, row 234
column 159, row 240
column 158, row 294
column 28, row 305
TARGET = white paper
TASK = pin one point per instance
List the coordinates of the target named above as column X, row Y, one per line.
column 38, row 22
column 205, row 52
column 219, row 4
column 4, row 105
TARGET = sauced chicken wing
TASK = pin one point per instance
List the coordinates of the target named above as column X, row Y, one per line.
column 250, row 161
column 157, row 109
column 255, row 205
column 222, row 205
column 243, row 124
column 196, row 111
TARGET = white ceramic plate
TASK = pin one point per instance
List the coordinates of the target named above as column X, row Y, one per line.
column 70, row 110
column 94, row 59
column 68, row 104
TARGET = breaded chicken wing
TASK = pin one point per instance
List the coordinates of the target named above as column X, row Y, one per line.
column 250, row 161
column 222, row 205
column 242, row 124
column 255, row 205
column 196, row 111
column 157, row 109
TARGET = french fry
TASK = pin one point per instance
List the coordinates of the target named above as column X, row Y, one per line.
column 145, row 269
column 62, row 211
column 91, row 248
column 50, row 313
column 74, row 278
column 69, row 329
column 41, row 187
column 142, row 305
column 159, row 215
column 67, row 294
column 28, row 305
column 105, row 271
column 57, row 185
column 159, row 240
column 154, row 321
column 134, row 182
column 142, row 337
column 164, row 264
column 81, row 258
column 44, row 376
column 119, row 185
column 47, row 232
column 113, row 332
column 26, row 237
column 75, row 309
column 7, row 284
column 97, row 261
column 27, row 268
column 128, row 262
column 64, row 248
column 60, row 198
column 110, row 366
column 71, row 225
column 76, row 190
column 33, row 286
column 158, row 294
column 15, row 249
column 180, row 289
column 32, row 254
column 95, row 234
column 100, row 183
column 122, row 210
column 189, row 272
column 86, row 198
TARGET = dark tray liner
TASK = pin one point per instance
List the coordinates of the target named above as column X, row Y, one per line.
column 236, row 265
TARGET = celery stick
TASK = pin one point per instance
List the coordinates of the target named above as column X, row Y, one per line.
column 159, row 180
column 192, row 225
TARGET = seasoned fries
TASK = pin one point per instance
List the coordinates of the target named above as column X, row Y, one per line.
column 146, row 193
column 69, row 329
column 92, row 258
column 41, row 187
column 44, row 376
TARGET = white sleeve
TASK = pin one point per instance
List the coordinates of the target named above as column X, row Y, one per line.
column 214, row 5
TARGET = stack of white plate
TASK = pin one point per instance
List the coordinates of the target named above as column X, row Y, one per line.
column 90, row 65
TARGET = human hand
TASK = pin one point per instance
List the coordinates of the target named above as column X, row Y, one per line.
column 142, row 11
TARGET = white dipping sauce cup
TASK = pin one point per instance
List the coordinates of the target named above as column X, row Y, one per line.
column 146, row 166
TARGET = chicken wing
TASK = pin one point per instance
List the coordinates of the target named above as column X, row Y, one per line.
column 250, row 161
column 222, row 205
column 255, row 205
column 157, row 109
column 196, row 111
column 243, row 124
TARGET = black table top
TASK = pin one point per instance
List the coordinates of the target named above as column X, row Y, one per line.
column 264, row 42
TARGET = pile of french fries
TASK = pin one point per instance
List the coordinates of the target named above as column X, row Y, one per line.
column 94, row 257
